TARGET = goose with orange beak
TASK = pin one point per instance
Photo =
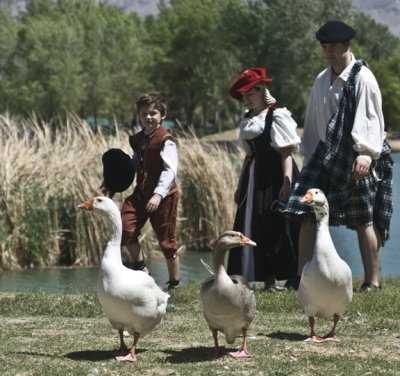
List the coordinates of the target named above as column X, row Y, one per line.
column 326, row 286
column 229, row 305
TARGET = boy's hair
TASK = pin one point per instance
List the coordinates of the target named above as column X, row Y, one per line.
column 154, row 99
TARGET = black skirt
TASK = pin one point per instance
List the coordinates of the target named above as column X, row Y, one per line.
column 276, row 253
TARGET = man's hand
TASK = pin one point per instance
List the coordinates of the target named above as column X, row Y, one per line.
column 360, row 168
column 153, row 203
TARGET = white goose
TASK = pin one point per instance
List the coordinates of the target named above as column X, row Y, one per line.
column 228, row 303
column 326, row 282
column 130, row 299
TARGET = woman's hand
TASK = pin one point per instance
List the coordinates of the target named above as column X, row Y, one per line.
column 286, row 190
column 287, row 168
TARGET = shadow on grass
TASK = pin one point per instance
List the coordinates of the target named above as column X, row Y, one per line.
column 294, row 337
column 94, row 355
column 194, row 354
column 32, row 353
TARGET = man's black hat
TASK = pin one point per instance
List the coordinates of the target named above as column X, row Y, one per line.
column 118, row 170
column 335, row 31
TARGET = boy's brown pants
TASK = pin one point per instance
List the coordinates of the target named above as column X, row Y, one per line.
column 163, row 221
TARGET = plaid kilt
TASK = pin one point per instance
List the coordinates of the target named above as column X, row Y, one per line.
column 352, row 203
column 368, row 201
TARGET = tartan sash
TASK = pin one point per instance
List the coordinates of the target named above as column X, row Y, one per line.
column 330, row 169
column 339, row 154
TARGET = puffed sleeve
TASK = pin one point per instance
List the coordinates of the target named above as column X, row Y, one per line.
column 369, row 126
column 283, row 130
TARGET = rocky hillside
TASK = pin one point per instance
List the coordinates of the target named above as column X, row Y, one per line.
column 386, row 12
column 142, row 7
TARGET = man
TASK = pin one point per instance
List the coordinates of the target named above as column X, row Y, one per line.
column 345, row 153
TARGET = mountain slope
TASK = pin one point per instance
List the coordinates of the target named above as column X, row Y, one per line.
column 386, row 12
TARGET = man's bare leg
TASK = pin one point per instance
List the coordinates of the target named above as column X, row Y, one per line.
column 370, row 245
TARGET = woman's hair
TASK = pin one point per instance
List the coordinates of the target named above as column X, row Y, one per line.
column 152, row 99
column 268, row 98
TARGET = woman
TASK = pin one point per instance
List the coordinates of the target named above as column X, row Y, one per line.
column 268, row 136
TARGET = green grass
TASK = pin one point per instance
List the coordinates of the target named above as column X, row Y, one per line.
column 44, row 334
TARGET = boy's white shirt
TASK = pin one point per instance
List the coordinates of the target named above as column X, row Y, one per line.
column 169, row 155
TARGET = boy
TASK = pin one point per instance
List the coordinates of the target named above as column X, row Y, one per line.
column 156, row 195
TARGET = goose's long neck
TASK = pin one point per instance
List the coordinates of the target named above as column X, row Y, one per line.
column 115, row 225
column 218, row 256
column 322, row 215
column 323, row 243
column 113, row 248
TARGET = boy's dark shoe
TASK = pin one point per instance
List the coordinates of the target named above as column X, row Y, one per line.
column 172, row 284
column 368, row 287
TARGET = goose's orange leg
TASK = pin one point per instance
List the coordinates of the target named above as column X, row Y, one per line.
column 123, row 349
column 131, row 356
column 242, row 353
column 217, row 353
column 331, row 336
column 313, row 337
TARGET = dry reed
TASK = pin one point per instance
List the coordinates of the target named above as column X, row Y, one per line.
column 45, row 170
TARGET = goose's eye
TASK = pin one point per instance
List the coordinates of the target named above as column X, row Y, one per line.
column 99, row 200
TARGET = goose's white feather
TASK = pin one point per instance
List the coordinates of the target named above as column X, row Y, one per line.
column 207, row 267
column 130, row 299
column 326, row 286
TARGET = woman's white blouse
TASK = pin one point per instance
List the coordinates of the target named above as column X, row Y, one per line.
column 283, row 129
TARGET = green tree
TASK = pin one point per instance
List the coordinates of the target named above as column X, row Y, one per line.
column 196, row 62
column 8, row 47
column 44, row 73
column 387, row 74
column 88, row 57
column 381, row 49
column 290, row 50
column 71, row 55
column 112, row 58
column 53, row 68
column 373, row 41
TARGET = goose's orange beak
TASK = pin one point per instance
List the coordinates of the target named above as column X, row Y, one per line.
column 246, row 241
column 88, row 205
column 308, row 198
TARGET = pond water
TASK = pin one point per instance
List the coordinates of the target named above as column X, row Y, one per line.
column 76, row 280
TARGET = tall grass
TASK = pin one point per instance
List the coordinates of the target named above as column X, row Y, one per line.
column 45, row 170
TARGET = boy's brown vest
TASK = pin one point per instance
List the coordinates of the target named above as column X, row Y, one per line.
column 148, row 148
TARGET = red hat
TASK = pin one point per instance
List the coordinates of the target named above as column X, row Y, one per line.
column 247, row 80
